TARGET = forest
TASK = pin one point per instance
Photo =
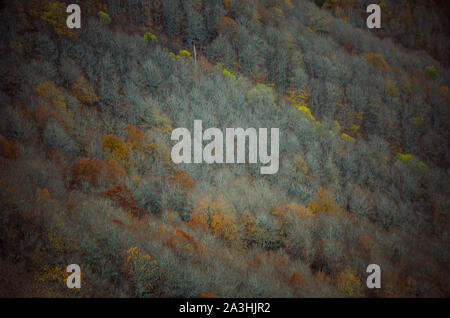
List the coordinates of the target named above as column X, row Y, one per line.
column 87, row 177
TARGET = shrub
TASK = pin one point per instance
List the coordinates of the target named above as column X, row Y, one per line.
column 348, row 138
column 93, row 172
column 136, row 138
column 8, row 149
column 300, row 165
column 261, row 94
column 51, row 94
column 306, row 112
column 121, row 195
column 183, row 180
column 417, row 121
column 116, row 148
column 431, row 72
column 186, row 54
column 296, row 279
column 349, row 284
column 85, row 170
column 325, row 201
column 143, row 271
column 104, row 17
column 83, row 92
column 215, row 215
column 391, row 88
column 227, row 26
column 228, row 75
column 376, row 60
column 412, row 163
column 148, row 36
column 161, row 122
column 54, row 15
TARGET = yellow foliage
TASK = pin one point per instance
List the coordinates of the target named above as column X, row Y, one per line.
column 291, row 211
column 414, row 165
column 226, row 4
column 104, row 17
column 278, row 12
column 228, row 75
column 116, row 148
column 186, row 54
column 417, row 121
column 348, row 138
column 136, row 260
column 161, row 122
column 51, row 94
column 215, row 215
column 43, row 194
column 54, row 15
column 289, row 4
column 57, row 242
column 297, row 209
column 306, row 112
column 300, row 165
column 376, row 60
column 52, row 273
column 349, row 284
column 325, row 201
column 149, row 36
column 354, row 129
column 143, row 271
column 223, row 225
column 299, row 99
column 391, row 88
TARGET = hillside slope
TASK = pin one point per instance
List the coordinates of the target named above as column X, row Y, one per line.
column 86, row 175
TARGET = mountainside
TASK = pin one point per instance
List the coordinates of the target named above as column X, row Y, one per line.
column 87, row 177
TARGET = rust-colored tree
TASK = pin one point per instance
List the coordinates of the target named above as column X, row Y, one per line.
column 121, row 195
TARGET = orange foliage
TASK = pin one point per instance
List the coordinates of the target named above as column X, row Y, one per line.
column 290, row 211
column 136, row 137
column 223, row 225
column 226, row 4
column 324, row 202
column 83, row 92
column 349, row 284
column 85, row 170
column 137, row 141
column 121, row 195
column 43, row 113
column 296, row 279
column 208, row 295
column 8, row 149
column 90, row 171
column 184, row 243
column 227, row 25
column 216, row 216
column 264, row 14
column 182, row 179
column 43, row 195
column 120, row 223
column 190, row 239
